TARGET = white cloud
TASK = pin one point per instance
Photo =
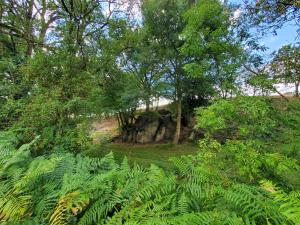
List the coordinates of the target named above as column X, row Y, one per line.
column 236, row 14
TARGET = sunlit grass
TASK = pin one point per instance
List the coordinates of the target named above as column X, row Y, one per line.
column 158, row 154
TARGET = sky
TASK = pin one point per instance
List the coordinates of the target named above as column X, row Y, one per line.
column 285, row 35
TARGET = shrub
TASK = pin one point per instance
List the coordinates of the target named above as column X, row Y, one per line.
column 237, row 118
column 101, row 138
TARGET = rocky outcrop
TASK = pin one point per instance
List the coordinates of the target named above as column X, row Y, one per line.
column 146, row 133
column 153, row 127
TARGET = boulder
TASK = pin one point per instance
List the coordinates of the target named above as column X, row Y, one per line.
column 150, row 127
column 153, row 127
column 160, row 136
column 146, row 133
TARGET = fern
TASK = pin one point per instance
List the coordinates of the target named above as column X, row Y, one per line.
column 70, row 204
column 65, row 189
column 289, row 203
column 252, row 204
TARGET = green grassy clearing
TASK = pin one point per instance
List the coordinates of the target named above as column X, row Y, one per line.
column 158, row 154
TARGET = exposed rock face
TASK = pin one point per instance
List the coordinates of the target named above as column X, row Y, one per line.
column 146, row 132
column 149, row 127
column 152, row 127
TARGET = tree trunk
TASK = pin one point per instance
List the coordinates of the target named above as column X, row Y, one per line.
column 178, row 122
column 297, row 89
column 280, row 94
column 157, row 103
column 119, row 122
column 29, row 28
column 147, row 105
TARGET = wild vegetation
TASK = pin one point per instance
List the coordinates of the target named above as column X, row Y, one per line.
column 67, row 63
column 241, row 181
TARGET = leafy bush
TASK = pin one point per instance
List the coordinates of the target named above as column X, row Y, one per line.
column 101, row 137
column 235, row 159
column 59, row 102
column 238, row 118
column 256, row 145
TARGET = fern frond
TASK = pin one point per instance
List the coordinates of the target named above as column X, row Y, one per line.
column 289, row 203
column 252, row 204
column 98, row 211
column 68, row 206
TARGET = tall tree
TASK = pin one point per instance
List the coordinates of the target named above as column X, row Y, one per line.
column 164, row 21
column 212, row 44
column 28, row 23
column 144, row 62
column 62, row 77
column 286, row 66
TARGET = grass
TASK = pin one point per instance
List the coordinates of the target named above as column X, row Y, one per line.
column 158, row 154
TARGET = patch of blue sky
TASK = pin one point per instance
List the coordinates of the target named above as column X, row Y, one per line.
column 285, row 35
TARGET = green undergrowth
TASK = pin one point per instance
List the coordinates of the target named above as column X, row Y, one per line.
column 158, row 154
column 62, row 188
column 250, row 178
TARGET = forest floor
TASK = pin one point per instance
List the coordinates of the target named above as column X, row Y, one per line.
column 146, row 154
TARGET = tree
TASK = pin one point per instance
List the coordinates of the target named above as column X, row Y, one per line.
column 143, row 61
column 118, row 90
column 272, row 14
column 164, row 22
column 61, row 73
column 212, row 45
column 286, row 66
column 28, row 22
column 257, row 73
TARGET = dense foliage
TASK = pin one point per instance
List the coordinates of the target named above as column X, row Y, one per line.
column 238, row 182
column 238, row 117
column 286, row 65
